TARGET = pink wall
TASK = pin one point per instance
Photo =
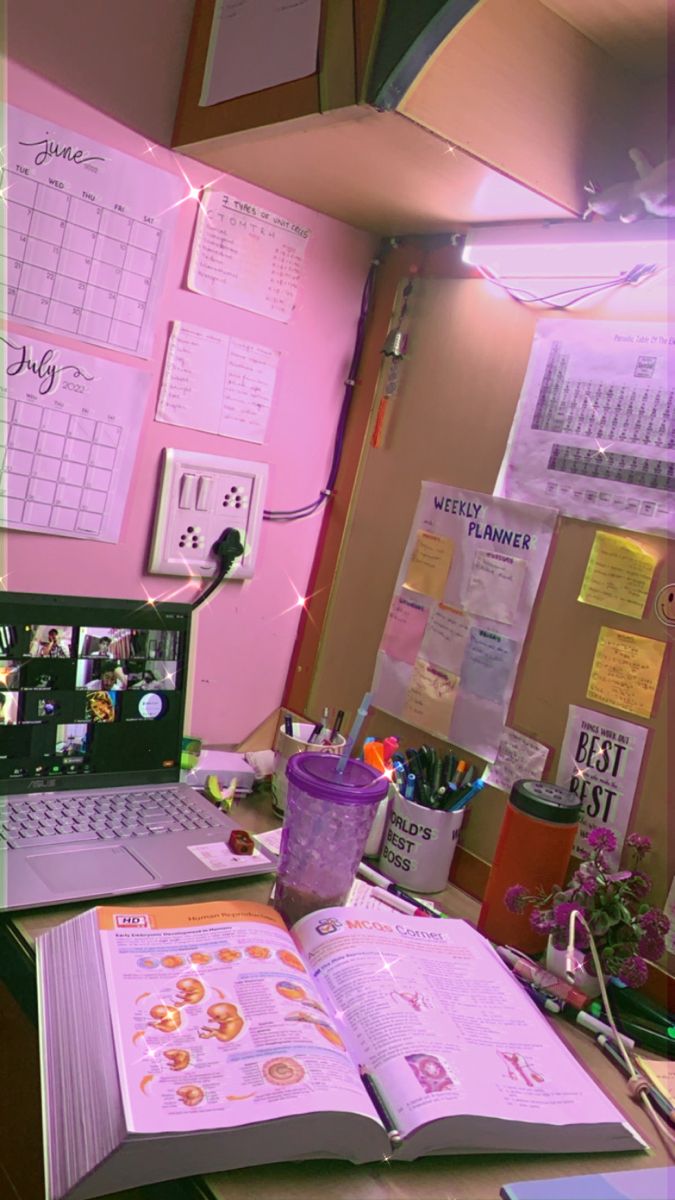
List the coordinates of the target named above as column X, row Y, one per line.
column 244, row 638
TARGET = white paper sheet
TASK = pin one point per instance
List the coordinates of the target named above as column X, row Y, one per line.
column 85, row 235
column 593, row 432
column 256, row 44
column 70, row 431
column 217, row 383
column 600, row 762
column 247, row 256
column 452, row 672
column 518, row 757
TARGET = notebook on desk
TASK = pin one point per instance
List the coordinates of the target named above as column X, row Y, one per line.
column 92, row 702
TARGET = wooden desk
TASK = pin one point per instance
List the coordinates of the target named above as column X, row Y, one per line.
column 474, row 1177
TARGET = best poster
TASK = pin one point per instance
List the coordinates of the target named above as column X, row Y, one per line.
column 460, row 612
column 600, row 762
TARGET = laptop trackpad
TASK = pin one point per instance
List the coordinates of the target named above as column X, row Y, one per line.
column 91, row 872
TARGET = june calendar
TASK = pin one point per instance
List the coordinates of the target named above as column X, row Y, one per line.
column 69, row 426
column 85, row 233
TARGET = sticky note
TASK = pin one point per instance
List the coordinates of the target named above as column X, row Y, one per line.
column 626, row 670
column 618, row 575
column 518, row 757
column 488, row 664
column 445, row 638
column 429, row 565
column 430, row 698
column 404, row 629
column 495, row 584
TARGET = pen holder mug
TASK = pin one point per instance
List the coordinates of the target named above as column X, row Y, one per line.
column 328, row 818
column 286, row 746
column 419, row 844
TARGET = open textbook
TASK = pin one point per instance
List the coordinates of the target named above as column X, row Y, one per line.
column 190, row 1039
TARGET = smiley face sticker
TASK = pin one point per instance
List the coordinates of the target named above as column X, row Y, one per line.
column 664, row 605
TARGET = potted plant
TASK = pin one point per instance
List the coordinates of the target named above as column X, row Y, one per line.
column 627, row 931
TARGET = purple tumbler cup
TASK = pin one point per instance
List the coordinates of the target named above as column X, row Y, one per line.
column 326, row 826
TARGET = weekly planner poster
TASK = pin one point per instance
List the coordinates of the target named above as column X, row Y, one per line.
column 459, row 615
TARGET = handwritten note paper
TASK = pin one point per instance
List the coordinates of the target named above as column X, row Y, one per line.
column 618, row 575
column 430, row 698
column 446, row 636
column 217, row 383
column 404, row 630
column 429, row 564
column 495, row 585
column 626, row 670
column 488, row 663
column 518, row 757
column 247, row 256
column 257, row 44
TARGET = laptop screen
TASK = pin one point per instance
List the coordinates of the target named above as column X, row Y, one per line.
column 92, row 692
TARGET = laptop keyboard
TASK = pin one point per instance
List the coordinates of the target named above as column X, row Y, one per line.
column 34, row 821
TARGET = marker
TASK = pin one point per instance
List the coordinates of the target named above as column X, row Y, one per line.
column 288, row 725
column 337, row 725
column 457, row 777
column 409, row 793
column 386, row 885
column 466, row 799
column 315, row 733
column 394, row 901
column 609, row 1049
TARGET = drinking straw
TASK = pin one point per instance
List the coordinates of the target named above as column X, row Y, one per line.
column 361, row 715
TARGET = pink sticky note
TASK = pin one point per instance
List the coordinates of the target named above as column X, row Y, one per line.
column 404, row 630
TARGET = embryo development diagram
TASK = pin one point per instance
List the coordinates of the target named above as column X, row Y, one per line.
column 227, row 1023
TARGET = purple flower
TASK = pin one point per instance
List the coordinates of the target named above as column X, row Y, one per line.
column 588, row 886
column 601, row 839
column 633, row 971
column 651, row 945
column 562, row 912
column 640, row 885
column 515, row 898
column 637, row 842
column 653, row 920
column 541, row 920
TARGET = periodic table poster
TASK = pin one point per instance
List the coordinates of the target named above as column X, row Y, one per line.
column 84, row 233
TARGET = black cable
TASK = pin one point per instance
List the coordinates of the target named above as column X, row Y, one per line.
column 306, row 510
column 228, row 547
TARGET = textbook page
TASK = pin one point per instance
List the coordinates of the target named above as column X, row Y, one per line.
column 217, row 1022
column 441, row 1025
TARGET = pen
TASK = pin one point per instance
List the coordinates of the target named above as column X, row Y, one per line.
column 381, row 881
column 394, row 901
column 337, row 725
column 379, row 1104
column 409, row 793
column 609, row 1049
column 288, row 725
column 315, row 733
column 558, row 1007
column 462, row 801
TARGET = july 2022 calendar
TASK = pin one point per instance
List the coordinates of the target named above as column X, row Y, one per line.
column 69, row 426
column 84, row 237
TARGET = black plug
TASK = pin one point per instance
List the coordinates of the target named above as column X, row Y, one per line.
column 226, row 548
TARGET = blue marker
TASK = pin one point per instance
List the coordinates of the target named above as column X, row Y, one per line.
column 473, row 791
column 409, row 793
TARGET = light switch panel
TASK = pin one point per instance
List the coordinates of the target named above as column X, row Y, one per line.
column 202, row 495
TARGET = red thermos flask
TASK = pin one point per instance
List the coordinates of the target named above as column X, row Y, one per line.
column 534, row 848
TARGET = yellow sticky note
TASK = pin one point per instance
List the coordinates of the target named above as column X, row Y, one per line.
column 429, row 565
column 431, row 698
column 625, row 671
column 618, row 575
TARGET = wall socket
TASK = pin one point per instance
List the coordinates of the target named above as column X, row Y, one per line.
column 201, row 495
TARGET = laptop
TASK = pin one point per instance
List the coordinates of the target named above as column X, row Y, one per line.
column 92, row 702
